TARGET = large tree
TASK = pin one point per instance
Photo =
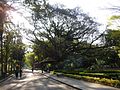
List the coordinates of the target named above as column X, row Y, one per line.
column 7, row 36
column 60, row 32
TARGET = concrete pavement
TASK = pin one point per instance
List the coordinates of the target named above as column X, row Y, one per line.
column 33, row 81
column 79, row 84
column 9, row 77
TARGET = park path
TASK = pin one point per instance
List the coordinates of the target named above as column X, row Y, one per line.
column 80, row 84
column 33, row 81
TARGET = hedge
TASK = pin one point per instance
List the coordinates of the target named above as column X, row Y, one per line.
column 111, row 75
column 109, row 82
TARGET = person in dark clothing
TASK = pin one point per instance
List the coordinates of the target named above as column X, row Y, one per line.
column 17, row 71
column 20, row 73
column 16, row 74
column 32, row 69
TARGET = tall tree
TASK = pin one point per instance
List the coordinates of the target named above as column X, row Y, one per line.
column 2, row 20
column 6, row 35
column 60, row 32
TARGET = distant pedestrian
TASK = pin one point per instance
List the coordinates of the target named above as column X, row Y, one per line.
column 20, row 73
column 32, row 69
column 16, row 70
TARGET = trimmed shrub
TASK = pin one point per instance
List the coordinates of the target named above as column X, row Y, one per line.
column 105, row 81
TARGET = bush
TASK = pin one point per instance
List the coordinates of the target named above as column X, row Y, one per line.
column 102, row 71
column 68, row 71
column 113, row 74
column 94, row 77
column 109, row 82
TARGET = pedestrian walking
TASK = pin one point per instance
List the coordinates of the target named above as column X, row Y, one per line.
column 20, row 73
column 32, row 69
column 16, row 71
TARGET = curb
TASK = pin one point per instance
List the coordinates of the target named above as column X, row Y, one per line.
column 63, row 82
column 9, row 77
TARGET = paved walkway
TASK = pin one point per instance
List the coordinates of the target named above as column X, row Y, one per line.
column 38, row 81
column 33, row 81
column 81, row 85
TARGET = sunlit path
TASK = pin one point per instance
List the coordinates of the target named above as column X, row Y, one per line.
column 32, row 81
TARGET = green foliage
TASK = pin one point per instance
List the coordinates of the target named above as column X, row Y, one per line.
column 103, row 71
column 29, row 59
column 110, row 74
column 68, row 71
column 109, row 82
column 62, row 35
column 114, row 17
column 113, row 38
column 18, row 53
column 60, row 32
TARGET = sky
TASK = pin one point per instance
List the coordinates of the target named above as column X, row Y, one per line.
column 95, row 8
